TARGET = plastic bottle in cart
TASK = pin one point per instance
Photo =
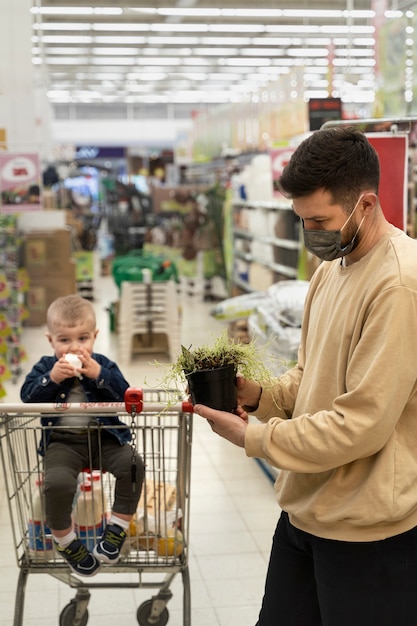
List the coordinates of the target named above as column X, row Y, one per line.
column 95, row 477
column 89, row 515
column 41, row 545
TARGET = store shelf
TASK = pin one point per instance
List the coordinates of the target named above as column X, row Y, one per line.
column 265, row 235
column 271, row 241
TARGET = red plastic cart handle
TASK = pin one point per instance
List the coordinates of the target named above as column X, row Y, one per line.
column 133, row 400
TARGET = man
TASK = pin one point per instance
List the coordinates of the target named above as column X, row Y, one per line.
column 341, row 425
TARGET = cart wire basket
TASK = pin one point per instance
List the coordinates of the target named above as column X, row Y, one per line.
column 156, row 548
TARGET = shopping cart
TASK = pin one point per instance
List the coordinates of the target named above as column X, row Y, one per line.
column 157, row 542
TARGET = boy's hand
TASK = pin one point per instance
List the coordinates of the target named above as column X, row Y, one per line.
column 90, row 368
column 61, row 370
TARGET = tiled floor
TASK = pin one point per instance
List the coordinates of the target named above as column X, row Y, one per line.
column 233, row 511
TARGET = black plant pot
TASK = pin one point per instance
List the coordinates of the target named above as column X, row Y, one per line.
column 215, row 388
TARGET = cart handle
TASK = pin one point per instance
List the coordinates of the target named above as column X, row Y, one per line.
column 133, row 403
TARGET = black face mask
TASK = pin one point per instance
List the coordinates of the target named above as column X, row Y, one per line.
column 327, row 244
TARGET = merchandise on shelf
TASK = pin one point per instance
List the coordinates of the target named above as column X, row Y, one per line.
column 276, row 323
column 13, row 283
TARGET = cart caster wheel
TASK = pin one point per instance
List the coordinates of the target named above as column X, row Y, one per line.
column 144, row 616
column 68, row 615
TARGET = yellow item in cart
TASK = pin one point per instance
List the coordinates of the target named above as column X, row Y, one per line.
column 171, row 545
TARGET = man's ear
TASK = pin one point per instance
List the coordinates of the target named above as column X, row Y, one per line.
column 369, row 202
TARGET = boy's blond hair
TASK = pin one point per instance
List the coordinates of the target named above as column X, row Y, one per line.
column 70, row 310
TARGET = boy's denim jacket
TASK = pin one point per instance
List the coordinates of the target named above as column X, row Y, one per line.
column 110, row 386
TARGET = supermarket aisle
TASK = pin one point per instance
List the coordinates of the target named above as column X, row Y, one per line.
column 233, row 511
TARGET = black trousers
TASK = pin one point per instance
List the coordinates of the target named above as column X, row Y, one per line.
column 322, row 582
column 68, row 454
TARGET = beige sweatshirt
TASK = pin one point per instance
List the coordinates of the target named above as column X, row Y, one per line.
column 348, row 455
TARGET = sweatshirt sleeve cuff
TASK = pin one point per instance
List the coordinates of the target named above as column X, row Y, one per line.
column 253, row 440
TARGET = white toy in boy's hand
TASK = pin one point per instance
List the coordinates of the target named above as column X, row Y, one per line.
column 75, row 362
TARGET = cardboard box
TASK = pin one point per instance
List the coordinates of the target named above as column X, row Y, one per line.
column 47, row 253
column 43, row 291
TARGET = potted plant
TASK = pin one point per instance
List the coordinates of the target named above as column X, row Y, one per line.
column 209, row 372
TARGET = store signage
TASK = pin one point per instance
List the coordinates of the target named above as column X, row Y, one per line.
column 20, row 183
column 279, row 159
column 321, row 110
column 99, row 152
column 393, row 157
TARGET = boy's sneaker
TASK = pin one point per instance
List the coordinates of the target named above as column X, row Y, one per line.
column 108, row 548
column 80, row 560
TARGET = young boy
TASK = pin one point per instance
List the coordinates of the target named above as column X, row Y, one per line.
column 71, row 330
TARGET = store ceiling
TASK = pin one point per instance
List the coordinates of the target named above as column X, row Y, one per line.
column 201, row 51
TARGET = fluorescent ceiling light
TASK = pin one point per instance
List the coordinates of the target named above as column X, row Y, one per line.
column 273, row 69
column 310, row 93
column 242, row 12
column 360, row 30
column 240, row 61
column 115, row 51
column 225, row 41
column 189, row 12
column 158, row 61
column 76, row 10
column 68, row 51
column 181, row 41
column 112, row 61
column 196, row 61
column 197, row 76
column 216, row 51
column 165, row 52
column 120, row 27
column 181, row 28
column 313, row 41
column 152, row 76
column 62, row 26
column 123, row 40
column 357, row 41
column 329, row 14
column 308, row 52
column 314, row 69
column 226, row 76
column 354, row 52
column 271, row 52
column 66, row 60
column 103, row 76
column 236, row 28
column 67, row 39
column 392, row 15
column 344, row 62
column 276, row 41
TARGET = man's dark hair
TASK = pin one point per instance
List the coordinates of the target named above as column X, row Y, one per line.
column 339, row 160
